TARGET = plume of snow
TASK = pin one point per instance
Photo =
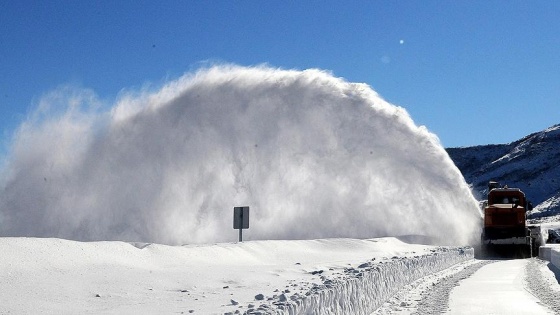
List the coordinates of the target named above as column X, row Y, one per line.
column 314, row 156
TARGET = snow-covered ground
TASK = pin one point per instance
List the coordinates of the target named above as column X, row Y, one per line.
column 327, row 276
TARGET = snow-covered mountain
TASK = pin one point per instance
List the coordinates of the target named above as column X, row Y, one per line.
column 531, row 163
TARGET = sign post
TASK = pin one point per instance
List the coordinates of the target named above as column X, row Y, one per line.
column 241, row 220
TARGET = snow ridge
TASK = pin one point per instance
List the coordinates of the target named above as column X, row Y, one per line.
column 363, row 290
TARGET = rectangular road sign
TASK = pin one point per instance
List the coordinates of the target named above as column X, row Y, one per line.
column 241, row 217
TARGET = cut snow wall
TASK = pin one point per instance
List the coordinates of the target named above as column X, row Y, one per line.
column 368, row 288
column 550, row 252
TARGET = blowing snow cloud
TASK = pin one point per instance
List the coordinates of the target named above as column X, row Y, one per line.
column 313, row 156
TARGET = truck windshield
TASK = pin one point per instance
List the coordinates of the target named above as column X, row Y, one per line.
column 506, row 200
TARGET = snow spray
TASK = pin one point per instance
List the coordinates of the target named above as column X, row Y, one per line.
column 314, row 156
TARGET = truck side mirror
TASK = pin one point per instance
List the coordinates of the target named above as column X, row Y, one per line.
column 529, row 206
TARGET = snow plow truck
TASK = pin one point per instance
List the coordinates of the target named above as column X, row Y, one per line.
column 505, row 230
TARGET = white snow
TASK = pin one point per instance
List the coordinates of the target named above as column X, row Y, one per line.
column 328, row 276
column 523, row 286
column 324, row 276
column 496, row 288
column 430, row 294
column 314, row 156
column 543, row 282
column 547, row 212
column 551, row 252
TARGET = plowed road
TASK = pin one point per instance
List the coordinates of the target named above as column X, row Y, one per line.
column 522, row 286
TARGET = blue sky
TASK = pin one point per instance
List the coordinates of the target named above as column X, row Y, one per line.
column 473, row 72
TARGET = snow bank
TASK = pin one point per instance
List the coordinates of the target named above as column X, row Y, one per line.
column 362, row 290
column 550, row 252
column 322, row 276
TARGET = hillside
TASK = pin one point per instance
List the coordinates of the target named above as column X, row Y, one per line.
column 531, row 163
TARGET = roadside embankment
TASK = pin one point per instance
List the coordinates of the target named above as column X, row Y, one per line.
column 550, row 252
column 362, row 290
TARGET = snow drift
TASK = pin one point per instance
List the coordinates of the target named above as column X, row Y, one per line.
column 329, row 276
column 313, row 156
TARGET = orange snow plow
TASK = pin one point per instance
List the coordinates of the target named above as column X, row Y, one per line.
column 505, row 230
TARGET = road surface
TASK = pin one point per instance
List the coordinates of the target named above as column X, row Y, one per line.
column 521, row 286
column 496, row 288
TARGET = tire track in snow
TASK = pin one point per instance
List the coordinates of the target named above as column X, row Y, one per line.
column 430, row 295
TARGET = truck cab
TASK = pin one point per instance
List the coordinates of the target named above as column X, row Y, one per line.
column 505, row 227
column 505, row 215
